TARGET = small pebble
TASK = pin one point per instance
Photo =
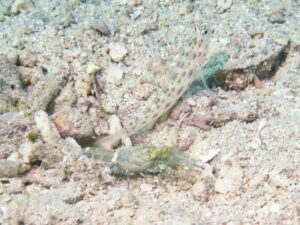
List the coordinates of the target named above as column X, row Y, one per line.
column 224, row 4
column 101, row 26
column 277, row 17
column 281, row 41
column 12, row 168
column 184, row 10
column 191, row 102
column 114, row 124
column 83, row 84
column 31, row 75
column 26, row 151
column 102, row 128
column 115, row 74
column 45, row 126
column 279, row 181
column 117, row 52
column 15, row 156
column 12, row 55
column 257, row 31
column 15, row 186
column 134, row 2
column 114, row 127
column 93, row 69
column 17, row 6
column 27, row 58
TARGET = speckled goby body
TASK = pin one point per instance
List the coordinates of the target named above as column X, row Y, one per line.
column 182, row 74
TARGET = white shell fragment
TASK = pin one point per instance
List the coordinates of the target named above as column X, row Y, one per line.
column 47, row 129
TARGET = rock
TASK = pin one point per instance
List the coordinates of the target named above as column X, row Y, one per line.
column 134, row 2
column 47, row 205
column 83, row 84
column 47, row 178
column 10, row 85
column 50, row 154
column 277, row 17
column 281, row 41
column 48, row 87
column 26, row 151
column 114, row 124
column 27, row 58
column 279, row 181
column 229, row 178
column 203, row 188
column 237, row 73
column 224, row 4
column 31, row 75
column 15, row 186
column 101, row 26
column 16, row 124
column 72, row 123
column 74, row 147
column 20, row 5
column 45, row 126
column 187, row 136
column 143, row 91
column 12, row 55
column 12, row 168
column 93, row 69
column 256, row 31
column 5, row 9
column 199, row 121
column 117, row 52
column 115, row 74
column 109, row 106
column 180, row 109
column 102, row 127
column 114, row 127
column 185, row 9
column 66, row 97
column 120, row 197
column 144, row 187
column 15, row 156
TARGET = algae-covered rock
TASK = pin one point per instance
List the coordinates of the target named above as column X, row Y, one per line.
column 238, row 73
column 10, row 86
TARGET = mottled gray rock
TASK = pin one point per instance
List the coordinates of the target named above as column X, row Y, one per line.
column 16, row 124
column 10, row 168
column 48, row 87
column 101, row 26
